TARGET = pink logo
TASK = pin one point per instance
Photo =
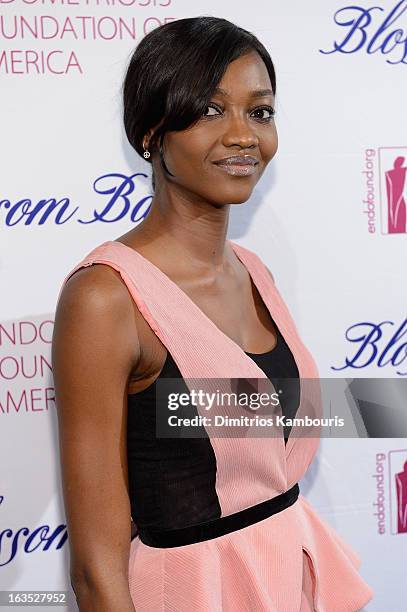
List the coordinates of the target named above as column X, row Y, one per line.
column 401, row 489
column 393, row 189
column 398, row 490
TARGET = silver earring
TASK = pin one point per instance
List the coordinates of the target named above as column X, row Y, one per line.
column 146, row 153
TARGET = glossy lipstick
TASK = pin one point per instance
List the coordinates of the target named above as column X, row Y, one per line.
column 238, row 165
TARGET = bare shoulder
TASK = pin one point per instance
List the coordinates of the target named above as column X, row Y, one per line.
column 95, row 313
column 97, row 291
column 95, row 286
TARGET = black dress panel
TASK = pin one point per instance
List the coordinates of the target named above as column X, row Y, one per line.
column 172, row 480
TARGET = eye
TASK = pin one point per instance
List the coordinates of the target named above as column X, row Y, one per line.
column 213, row 107
column 265, row 109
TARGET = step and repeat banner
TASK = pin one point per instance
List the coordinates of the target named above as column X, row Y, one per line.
column 328, row 218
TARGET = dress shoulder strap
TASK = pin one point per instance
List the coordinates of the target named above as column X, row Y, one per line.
column 253, row 261
column 193, row 340
column 104, row 253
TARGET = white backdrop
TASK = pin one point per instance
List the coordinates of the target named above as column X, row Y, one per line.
column 318, row 218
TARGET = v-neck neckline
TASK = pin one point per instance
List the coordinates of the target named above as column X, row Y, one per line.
column 193, row 304
column 255, row 279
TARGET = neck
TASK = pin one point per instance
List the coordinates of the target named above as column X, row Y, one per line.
column 194, row 231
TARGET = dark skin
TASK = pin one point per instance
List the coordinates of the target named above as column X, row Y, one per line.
column 103, row 348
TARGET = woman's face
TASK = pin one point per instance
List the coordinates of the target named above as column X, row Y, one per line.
column 237, row 122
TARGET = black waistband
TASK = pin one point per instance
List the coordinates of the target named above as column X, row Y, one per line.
column 167, row 538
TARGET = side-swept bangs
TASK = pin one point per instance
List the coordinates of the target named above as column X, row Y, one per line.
column 174, row 71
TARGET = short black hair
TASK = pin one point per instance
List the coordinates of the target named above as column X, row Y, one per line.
column 173, row 72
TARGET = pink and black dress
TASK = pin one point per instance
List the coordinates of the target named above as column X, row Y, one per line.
column 221, row 523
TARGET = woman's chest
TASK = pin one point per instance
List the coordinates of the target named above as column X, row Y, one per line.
column 238, row 312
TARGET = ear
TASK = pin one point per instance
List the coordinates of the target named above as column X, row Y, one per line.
column 150, row 133
column 147, row 138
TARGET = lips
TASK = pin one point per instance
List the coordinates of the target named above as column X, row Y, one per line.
column 238, row 165
column 237, row 160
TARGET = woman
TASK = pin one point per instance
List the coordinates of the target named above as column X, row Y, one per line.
column 221, row 525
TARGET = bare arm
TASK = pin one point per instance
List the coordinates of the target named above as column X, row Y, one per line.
column 95, row 345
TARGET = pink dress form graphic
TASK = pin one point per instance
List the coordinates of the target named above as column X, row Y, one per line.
column 395, row 185
column 401, row 488
column 292, row 561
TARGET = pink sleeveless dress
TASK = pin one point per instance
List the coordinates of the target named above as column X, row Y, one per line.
column 292, row 561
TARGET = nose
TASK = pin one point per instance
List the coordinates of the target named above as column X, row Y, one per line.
column 239, row 132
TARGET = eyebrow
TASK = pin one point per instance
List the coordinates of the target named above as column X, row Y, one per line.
column 256, row 93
